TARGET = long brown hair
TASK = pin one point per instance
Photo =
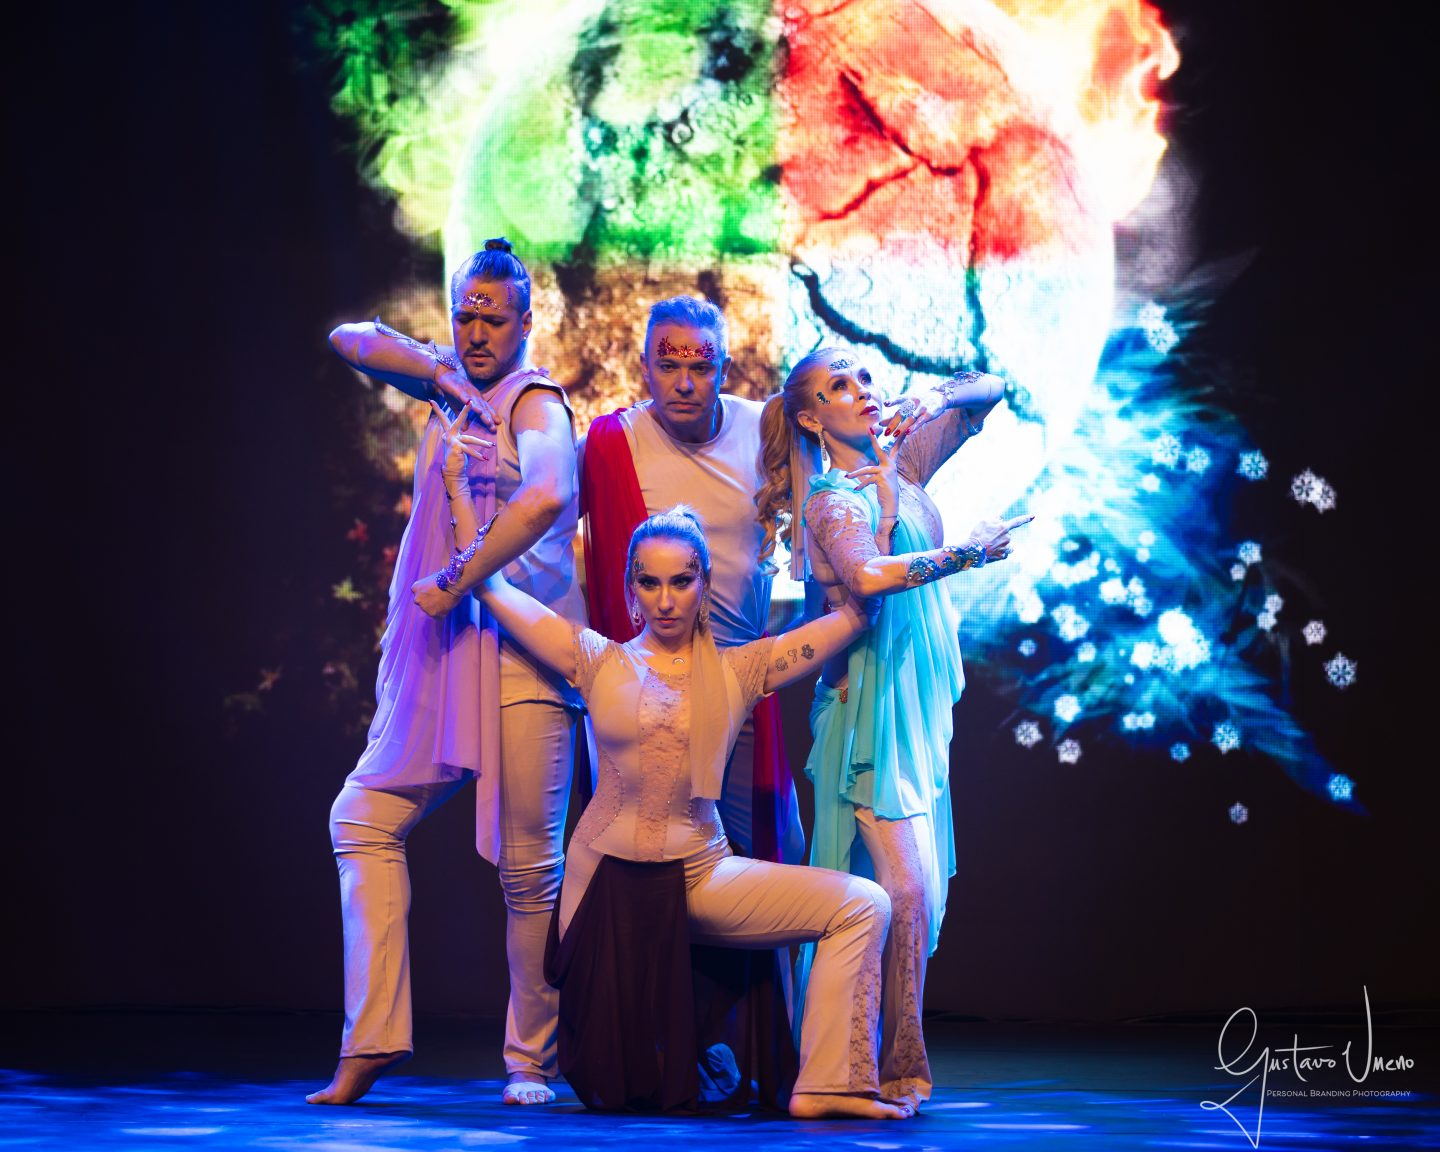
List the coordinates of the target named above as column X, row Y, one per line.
column 789, row 456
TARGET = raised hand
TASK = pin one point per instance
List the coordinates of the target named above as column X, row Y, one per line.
column 912, row 410
column 458, row 445
column 885, row 475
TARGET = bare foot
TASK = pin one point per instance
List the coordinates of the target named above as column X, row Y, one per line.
column 355, row 1076
column 807, row 1106
column 527, row 1088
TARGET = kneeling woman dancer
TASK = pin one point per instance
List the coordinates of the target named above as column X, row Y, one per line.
column 666, row 707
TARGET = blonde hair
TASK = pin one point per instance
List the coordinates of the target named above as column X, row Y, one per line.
column 789, row 456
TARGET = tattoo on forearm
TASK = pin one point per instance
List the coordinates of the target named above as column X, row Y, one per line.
column 807, row 651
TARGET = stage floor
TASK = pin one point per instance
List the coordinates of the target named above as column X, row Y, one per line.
column 236, row 1080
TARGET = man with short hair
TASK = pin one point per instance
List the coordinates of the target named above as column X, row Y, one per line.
column 691, row 443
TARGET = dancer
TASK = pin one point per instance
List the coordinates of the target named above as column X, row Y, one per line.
column 666, row 707
column 691, row 440
column 882, row 714
column 448, row 707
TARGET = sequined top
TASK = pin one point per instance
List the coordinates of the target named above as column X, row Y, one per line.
column 837, row 523
column 642, row 808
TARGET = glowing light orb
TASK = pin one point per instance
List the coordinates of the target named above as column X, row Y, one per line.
column 1248, row 552
column 1026, row 647
column 1340, row 787
column 1068, row 752
column 1179, row 753
column 1067, row 708
column 1239, row 814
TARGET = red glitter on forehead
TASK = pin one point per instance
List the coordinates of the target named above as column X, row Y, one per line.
column 705, row 351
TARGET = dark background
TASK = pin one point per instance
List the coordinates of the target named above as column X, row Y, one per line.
column 191, row 226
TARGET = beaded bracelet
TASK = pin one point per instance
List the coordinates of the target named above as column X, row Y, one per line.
column 450, row 574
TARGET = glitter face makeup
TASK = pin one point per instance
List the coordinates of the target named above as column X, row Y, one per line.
column 841, row 364
column 706, row 351
column 822, row 397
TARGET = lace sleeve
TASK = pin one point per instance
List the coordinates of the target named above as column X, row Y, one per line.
column 840, row 526
column 591, row 649
column 929, row 446
column 749, row 663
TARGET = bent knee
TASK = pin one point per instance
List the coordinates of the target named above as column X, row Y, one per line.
column 532, row 887
column 865, row 903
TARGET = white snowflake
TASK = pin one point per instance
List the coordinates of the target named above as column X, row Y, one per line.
column 1069, row 752
column 1067, row 575
column 1253, row 466
column 1150, row 483
column 1026, row 647
column 1274, row 603
column 1341, row 670
column 1248, row 552
column 1067, row 707
column 1142, row 555
column 1315, row 632
column 1142, row 606
column 1112, row 591
column 1237, row 571
column 1143, row 654
column 1029, row 607
column 1239, row 814
column 1150, row 314
column 1146, row 538
column 1197, row 460
column 1340, row 787
column 1166, row 451
column 1162, row 337
column 1112, row 566
column 1308, row 488
column 1071, row 624
column 1027, row 733
column 1226, row 736
column 1085, row 653
column 1137, row 721
column 1179, row 753
column 1188, row 644
column 1266, row 620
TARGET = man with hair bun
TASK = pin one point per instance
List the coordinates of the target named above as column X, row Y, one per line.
column 456, row 698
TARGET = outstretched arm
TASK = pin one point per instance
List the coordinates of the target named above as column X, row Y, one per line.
column 546, row 635
column 801, row 650
column 840, row 526
column 419, row 370
column 541, row 426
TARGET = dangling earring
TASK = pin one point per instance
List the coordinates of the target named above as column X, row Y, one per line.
column 705, row 612
column 635, row 616
column 824, row 451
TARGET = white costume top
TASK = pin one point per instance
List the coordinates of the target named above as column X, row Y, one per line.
column 719, row 479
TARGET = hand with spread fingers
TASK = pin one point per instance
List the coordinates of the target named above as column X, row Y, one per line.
column 456, row 387
column 459, row 446
column 993, row 535
column 912, row 410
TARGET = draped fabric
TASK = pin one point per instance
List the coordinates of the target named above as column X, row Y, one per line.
column 437, row 713
column 888, row 747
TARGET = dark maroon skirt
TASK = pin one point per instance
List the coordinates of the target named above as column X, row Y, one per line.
column 646, row 1018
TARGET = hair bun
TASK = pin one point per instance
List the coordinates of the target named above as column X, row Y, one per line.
column 499, row 244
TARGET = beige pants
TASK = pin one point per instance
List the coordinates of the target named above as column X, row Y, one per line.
column 899, row 850
column 369, row 827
